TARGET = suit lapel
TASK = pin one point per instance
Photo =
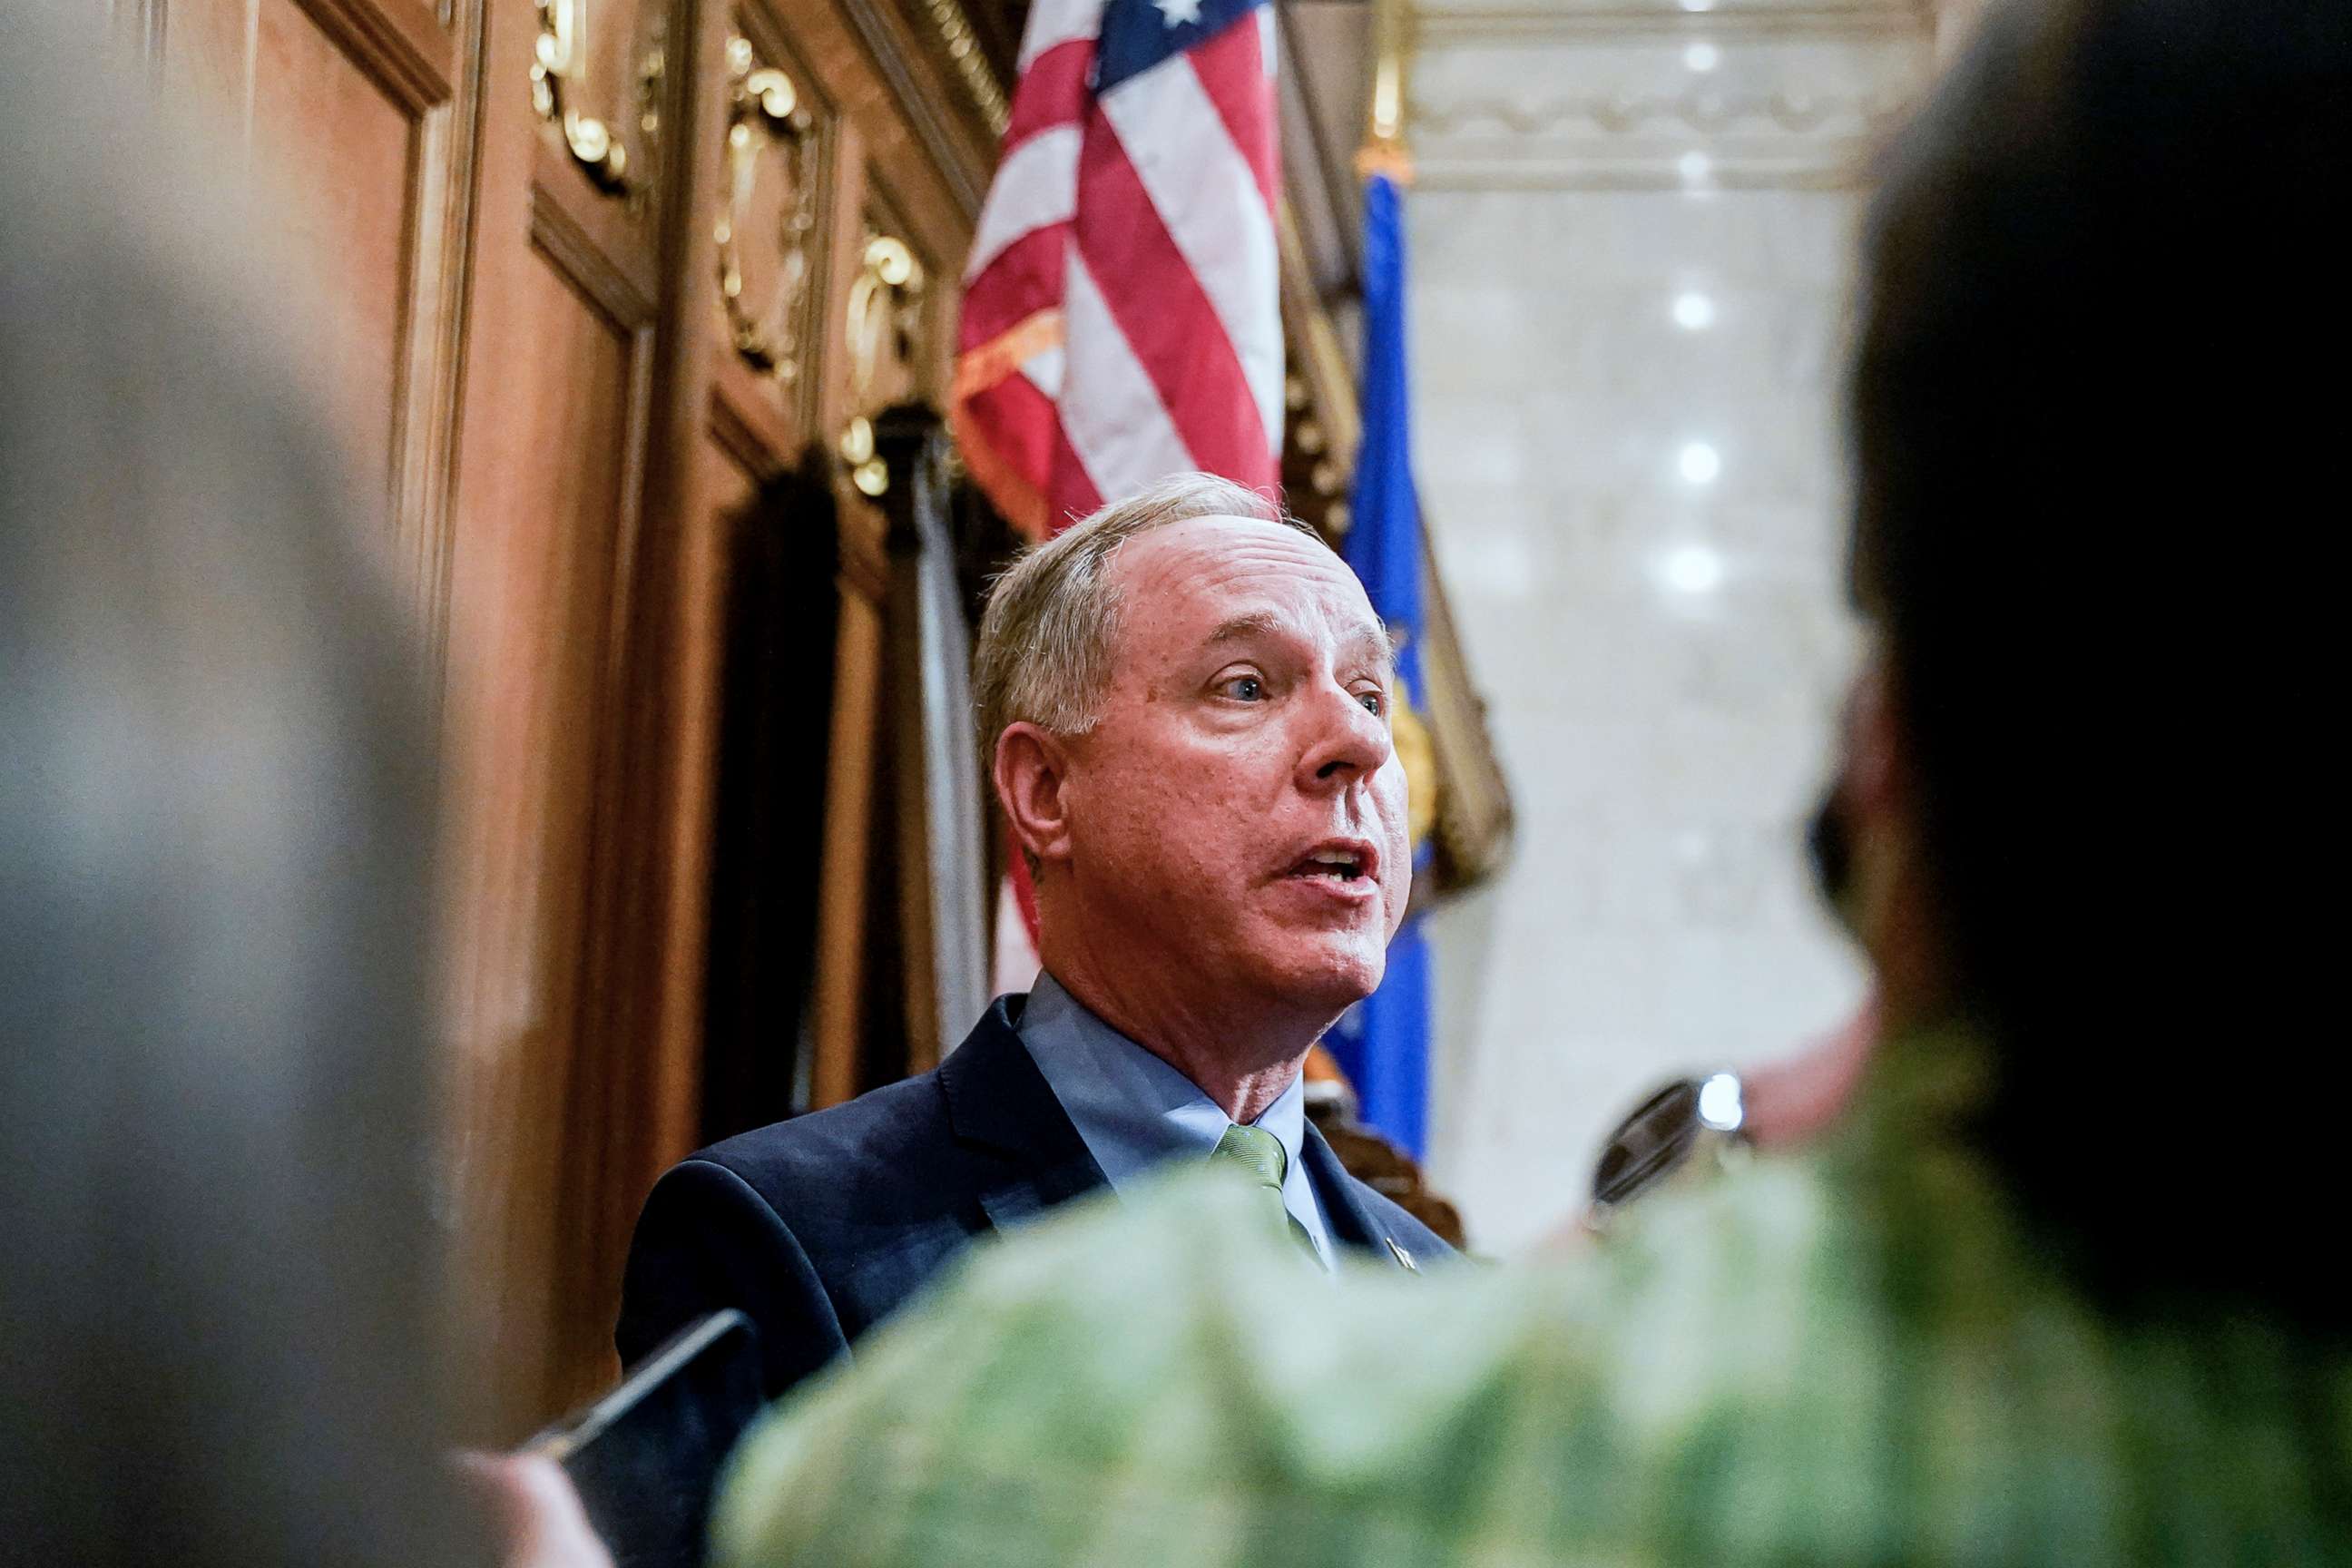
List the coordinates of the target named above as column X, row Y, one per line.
column 999, row 1102
column 1352, row 1222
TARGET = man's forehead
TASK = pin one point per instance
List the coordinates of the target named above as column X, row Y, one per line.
column 1357, row 632
column 1220, row 577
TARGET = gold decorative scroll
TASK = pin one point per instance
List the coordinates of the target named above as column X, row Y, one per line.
column 885, row 316
column 764, row 114
column 561, row 55
column 885, row 309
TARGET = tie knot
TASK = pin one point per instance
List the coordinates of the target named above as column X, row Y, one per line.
column 1256, row 1151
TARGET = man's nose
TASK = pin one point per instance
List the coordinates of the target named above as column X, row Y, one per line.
column 1347, row 740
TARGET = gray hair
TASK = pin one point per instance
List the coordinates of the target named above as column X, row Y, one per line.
column 1045, row 651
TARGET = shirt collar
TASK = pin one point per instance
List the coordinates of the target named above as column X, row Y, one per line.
column 1133, row 1109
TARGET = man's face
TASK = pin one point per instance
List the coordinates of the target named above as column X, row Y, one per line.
column 1237, row 813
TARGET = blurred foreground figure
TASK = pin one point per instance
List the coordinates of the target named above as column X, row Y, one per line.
column 2060, row 1288
column 218, row 1283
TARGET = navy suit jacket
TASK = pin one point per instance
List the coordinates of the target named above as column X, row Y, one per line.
column 819, row 1227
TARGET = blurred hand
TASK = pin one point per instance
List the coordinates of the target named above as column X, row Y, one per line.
column 534, row 1511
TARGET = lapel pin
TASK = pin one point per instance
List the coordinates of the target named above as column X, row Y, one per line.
column 1404, row 1258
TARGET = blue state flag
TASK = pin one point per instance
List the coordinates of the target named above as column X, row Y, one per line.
column 1382, row 1045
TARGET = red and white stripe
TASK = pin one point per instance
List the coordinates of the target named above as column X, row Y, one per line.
column 1122, row 318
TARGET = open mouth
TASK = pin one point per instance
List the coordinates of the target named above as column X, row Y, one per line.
column 1345, row 864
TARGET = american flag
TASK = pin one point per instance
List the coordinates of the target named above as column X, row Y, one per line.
column 1121, row 317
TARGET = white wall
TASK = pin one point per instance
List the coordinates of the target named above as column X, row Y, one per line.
column 1663, row 647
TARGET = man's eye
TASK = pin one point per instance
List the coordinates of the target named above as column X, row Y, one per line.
column 1374, row 702
column 1244, row 687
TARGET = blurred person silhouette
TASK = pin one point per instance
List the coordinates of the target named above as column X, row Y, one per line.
column 219, row 1301
column 2061, row 1286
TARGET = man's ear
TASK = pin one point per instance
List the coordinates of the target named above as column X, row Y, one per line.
column 1032, row 766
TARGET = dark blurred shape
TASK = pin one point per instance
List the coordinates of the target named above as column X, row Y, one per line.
column 925, row 957
column 1654, row 1138
column 646, row 1456
column 220, row 1286
column 1830, row 852
column 768, row 834
column 1691, row 1125
column 2099, row 370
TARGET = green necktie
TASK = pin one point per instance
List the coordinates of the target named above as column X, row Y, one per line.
column 1261, row 1154
column 1258, row 1152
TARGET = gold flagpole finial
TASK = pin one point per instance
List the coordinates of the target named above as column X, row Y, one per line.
column 1383, row 151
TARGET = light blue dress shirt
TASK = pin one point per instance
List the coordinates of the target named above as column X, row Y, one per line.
column 1136, row 1112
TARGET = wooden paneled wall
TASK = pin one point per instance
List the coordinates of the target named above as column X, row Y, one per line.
column 594, row 272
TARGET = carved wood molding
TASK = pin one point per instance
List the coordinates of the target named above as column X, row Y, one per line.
column 956, row 36
column 426, row 486
column 627, row 304
column 398, row 46
column 964, row 160
column 750, row 431
column 623, row 296
column 432, row 70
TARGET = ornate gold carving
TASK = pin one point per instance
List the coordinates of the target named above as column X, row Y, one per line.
column 885, row 309
column 885, row 312
column 868, row 471
column 763, row 114
column 963, row 50
column 560, row 56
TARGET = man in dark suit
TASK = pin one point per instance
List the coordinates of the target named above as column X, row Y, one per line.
column 1187, row 697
